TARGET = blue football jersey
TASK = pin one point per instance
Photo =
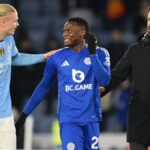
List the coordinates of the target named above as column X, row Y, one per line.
column 78, row 94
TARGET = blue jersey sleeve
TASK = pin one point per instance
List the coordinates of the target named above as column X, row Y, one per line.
column 43, row 87
column 51, row 68
column 101, row 66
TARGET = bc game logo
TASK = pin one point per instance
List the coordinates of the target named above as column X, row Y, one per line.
column 77, row 76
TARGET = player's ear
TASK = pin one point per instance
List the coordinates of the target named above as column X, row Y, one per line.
column 2, row 22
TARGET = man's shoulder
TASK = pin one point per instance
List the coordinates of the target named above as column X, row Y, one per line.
column 134, row 47
column 60, row 54
column 61, row 51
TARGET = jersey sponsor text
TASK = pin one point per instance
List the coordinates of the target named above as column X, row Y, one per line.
column 78, row 87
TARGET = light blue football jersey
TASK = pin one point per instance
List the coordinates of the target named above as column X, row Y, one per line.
column 7, row 51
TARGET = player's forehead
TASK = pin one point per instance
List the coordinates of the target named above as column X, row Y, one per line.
column 11, row 15
column 14, row 15
column 71, row 25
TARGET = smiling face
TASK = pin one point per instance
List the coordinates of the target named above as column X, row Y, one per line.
column 73, row 34
column 8, row 20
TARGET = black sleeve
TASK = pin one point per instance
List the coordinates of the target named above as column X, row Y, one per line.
column 121, row 71
column 20, row 123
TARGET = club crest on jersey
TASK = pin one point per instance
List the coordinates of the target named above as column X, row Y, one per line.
column 2, row 52
column 70, row 146
column 87, row 61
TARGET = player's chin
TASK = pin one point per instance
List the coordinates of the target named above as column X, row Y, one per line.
column 12, row 32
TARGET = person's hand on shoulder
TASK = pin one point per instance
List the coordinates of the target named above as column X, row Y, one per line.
column 48, row 54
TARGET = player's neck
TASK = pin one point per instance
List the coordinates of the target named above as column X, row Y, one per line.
column 78, row 47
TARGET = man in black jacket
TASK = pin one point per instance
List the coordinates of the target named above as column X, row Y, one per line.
column 136, row 64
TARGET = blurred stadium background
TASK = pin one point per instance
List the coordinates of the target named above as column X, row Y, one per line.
column 116, row 23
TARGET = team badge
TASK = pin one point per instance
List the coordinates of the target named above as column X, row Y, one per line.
column 2, row 52
column 70, row 146
column 87, row 61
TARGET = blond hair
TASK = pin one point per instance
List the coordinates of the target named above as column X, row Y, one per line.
column 6, row 8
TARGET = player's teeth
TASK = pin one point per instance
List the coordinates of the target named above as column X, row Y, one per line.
column 66, row 40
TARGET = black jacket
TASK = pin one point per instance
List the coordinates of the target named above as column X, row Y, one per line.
column 136, row 64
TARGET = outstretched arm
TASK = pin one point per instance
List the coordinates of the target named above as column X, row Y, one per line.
column 37, row 96
column 23, row 59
